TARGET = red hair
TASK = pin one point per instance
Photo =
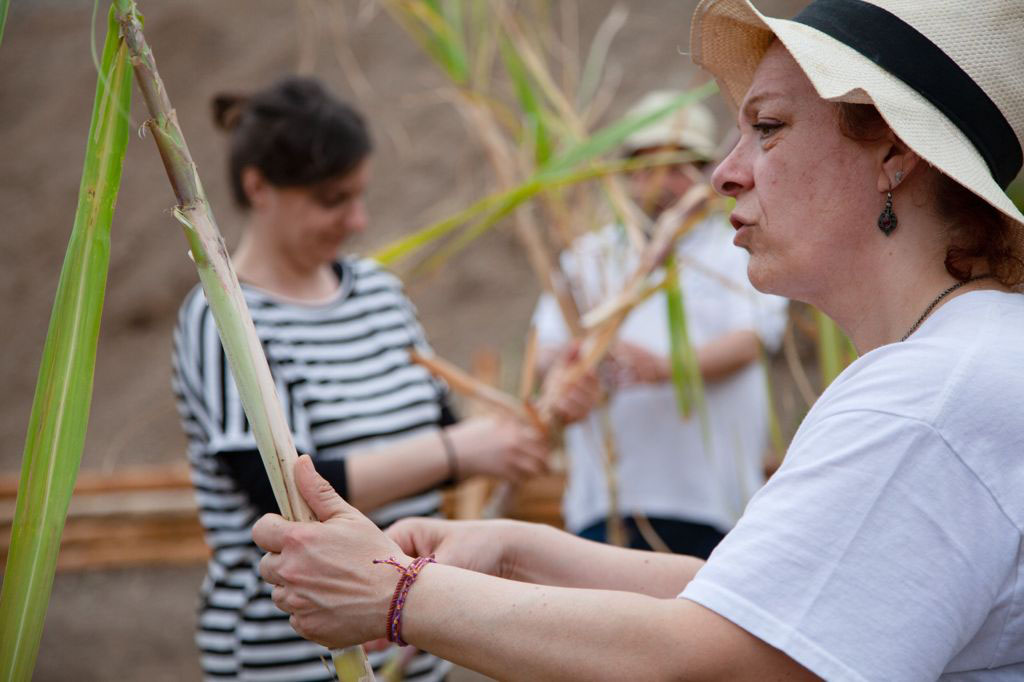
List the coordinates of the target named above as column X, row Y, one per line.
column 980, row 230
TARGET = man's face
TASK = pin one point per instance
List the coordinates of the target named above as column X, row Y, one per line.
column 657, row 188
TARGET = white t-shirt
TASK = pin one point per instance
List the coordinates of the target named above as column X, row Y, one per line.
column 889, row 544
column 667, row 467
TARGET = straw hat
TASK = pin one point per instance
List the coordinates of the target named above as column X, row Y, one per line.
column 691, row 127
column 946, row 75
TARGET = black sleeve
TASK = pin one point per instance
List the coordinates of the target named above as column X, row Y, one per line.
column 246, row 468
column 448, row 416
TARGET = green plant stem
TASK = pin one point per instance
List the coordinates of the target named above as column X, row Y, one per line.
column 242, row 346
column 686, row 378
column 490, row 209
column 835, row 351
column 4, row 5
column 60, row 409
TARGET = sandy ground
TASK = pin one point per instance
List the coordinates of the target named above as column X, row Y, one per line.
column 136, row 624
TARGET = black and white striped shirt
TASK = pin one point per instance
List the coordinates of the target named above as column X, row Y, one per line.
column 345, row 380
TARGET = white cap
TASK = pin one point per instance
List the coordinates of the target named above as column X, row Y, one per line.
column 691, row 127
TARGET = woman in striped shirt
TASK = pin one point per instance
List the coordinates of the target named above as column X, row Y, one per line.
column 336, row 334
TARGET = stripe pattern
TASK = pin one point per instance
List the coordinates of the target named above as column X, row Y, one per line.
column 346, row 382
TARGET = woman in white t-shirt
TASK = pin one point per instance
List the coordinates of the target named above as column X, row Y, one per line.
column 876, row 140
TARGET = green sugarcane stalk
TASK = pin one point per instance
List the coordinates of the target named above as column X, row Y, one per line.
column 60, row 409
column 4, row 5
column 242, row 346
column 835, row 351
column 686, row 377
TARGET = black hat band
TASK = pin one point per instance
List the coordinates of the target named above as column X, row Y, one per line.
column 907, row 54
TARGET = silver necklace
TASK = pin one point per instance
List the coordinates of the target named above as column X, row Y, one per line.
column 931, row 306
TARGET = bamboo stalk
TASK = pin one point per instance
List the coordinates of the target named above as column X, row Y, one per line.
column 529, row 232
column 471, row 495
column 796, row 368
column 615, row 529
column 492, row 397
column 624, row 301
column 674, row 223
column 650, row 536
column 220, row 284
column 469, row 385
column 533, row 60
column 670, row 227
column 60, row 409
column 528, row 371
column 522, row 146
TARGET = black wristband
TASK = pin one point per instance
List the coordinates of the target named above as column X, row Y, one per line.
column 449, row 451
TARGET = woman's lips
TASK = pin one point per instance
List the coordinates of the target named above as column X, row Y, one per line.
column 739, row 221
column 738, row 240
column 741, row 225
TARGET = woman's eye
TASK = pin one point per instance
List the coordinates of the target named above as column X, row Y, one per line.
column 765, row 129
column 332, row 201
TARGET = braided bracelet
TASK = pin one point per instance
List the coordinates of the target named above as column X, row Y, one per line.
column 405, row 580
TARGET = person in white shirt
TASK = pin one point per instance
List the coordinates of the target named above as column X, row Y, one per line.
column 685, row 478
column 876, row 142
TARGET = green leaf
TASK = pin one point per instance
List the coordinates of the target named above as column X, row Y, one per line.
column 405, row 246
column 438, row 28
column 686, row 377
column 593, row 67
column 505, row 202
column 4, row 4
column 835, row 350
column 529, row 102
column 60, row 410
column 472, row 233
column 611, row 136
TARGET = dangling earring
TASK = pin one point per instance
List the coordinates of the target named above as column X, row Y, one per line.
column 888, row 221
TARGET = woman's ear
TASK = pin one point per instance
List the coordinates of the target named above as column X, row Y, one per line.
column 898, row 164
column 255, row 186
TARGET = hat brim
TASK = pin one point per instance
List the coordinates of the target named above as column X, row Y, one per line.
column 729, row 38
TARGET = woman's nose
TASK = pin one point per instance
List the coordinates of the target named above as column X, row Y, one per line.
column 356, row 218
column 733, row 176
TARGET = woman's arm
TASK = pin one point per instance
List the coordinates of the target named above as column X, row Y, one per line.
column 370, row 479
column 717, row 360
column 396, row 470
column 491, row 446
column 514, row 631
column 549, row 556
column 536, row 553
column 325, row 576
column 724, row 356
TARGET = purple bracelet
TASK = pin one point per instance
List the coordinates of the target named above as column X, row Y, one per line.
column 405, row 580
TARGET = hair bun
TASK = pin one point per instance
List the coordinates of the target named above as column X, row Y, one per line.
column 227, row 110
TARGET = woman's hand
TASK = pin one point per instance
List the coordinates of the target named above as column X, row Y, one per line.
column 499, row 446
column 482, row 546
column 323, row 573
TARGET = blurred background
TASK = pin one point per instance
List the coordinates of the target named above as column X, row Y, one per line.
column 117, row 611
